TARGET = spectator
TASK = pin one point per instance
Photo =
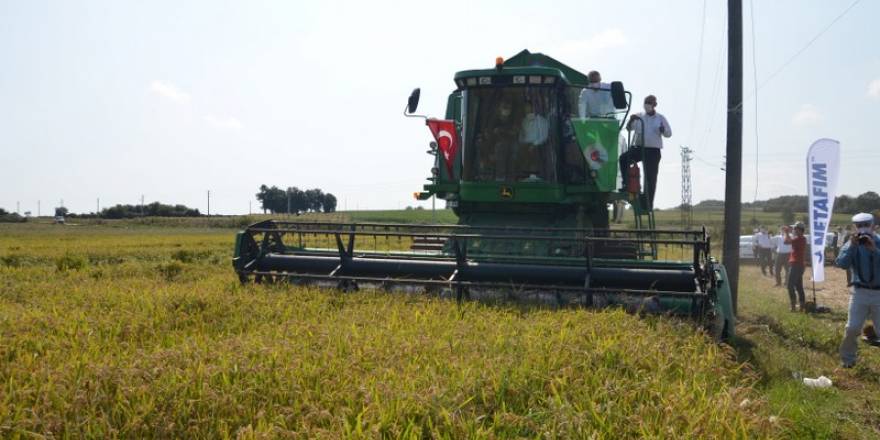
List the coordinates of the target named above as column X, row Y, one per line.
column 861, row 257
column 649, row 129
column 783, row 253
column 797, row 261
column 765, row 249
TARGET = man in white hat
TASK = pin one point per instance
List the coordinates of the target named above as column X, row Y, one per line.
column 861, row 256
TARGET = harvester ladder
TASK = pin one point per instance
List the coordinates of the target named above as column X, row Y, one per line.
column 644, row 221
column 643, row 210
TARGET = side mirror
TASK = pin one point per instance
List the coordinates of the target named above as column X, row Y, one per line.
column 413, row 103
column 618, row 95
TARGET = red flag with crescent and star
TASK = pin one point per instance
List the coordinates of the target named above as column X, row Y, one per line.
column 447, row 140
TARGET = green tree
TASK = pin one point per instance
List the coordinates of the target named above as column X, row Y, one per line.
column 867, row 202
column 329, row 202
column 314, row 199
column 298, row 200
column 845, row 204
column 272, row 199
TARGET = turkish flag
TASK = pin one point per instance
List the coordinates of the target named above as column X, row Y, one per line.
column 447, row 140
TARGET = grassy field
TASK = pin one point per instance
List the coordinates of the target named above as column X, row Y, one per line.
column 137, row 329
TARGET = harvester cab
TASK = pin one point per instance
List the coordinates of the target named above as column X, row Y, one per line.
column 531, row 143
column 527, row 158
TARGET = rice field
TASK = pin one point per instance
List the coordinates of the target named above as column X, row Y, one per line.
column 145, row 332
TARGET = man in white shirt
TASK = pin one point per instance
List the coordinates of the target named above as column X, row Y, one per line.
column 595, row 100
column 535, row 127
column 531, row 153
column 765, row 249
column 649, row 128
column 783, row 251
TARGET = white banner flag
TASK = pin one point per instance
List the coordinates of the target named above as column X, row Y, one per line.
column 823, row 166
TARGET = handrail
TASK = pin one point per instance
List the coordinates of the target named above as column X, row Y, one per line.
column 478, row 236
column 498, row 228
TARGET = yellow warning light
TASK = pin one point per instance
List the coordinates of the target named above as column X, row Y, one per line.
column 499, row 61
column 416, row 195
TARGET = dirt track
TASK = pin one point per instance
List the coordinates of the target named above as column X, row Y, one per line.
column 832, row 292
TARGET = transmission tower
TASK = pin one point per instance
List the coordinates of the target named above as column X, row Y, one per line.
column 687, row 210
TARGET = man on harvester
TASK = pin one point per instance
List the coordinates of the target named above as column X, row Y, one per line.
column 649, row 128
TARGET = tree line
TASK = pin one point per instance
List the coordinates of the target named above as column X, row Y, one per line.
column 154, row 209
column 10, row 217
column 865, row 202
column 294, row 200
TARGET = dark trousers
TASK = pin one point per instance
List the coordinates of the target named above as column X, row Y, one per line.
column 781, row 263
column 796, row 285
column 765, row 260
column 652, row 165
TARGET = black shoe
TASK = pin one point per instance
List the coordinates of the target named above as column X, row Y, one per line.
column 848, row 364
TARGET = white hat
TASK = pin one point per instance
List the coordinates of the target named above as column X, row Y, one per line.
column 863, row 217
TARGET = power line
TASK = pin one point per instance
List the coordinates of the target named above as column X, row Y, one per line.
column 699, row 73
column 716, row 87
column 801, row 50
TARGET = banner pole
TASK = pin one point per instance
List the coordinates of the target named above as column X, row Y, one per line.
column 814, row 292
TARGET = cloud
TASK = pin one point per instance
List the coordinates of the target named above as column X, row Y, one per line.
column 607, row 39
column 807, row 115
column 224, row 122
column 874, row 89
column 169, row 91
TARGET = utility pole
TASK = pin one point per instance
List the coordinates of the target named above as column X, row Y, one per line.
column 17, row 207
column 687, row 210
column 733, row 166
column 209, row 202
column 38, row 208
column 98, row 206
column 249, row 208
column 142, row 205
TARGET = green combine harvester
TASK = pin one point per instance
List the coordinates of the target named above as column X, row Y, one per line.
column 527, row 157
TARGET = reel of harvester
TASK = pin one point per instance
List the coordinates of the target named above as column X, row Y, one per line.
column 560, row 266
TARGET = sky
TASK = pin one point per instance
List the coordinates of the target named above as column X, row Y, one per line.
column 114, row 100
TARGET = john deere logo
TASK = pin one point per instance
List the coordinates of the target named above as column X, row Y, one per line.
column 506, row 192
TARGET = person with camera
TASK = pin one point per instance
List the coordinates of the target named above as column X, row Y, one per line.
column 861, row 257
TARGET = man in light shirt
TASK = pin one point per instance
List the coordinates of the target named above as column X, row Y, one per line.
column 535, row 127
column 765, row 249
column 595, row 100
column 531, row 153
column 783, row 252
column 649, row 128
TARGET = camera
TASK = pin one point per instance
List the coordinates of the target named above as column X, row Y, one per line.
column 863, row 238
